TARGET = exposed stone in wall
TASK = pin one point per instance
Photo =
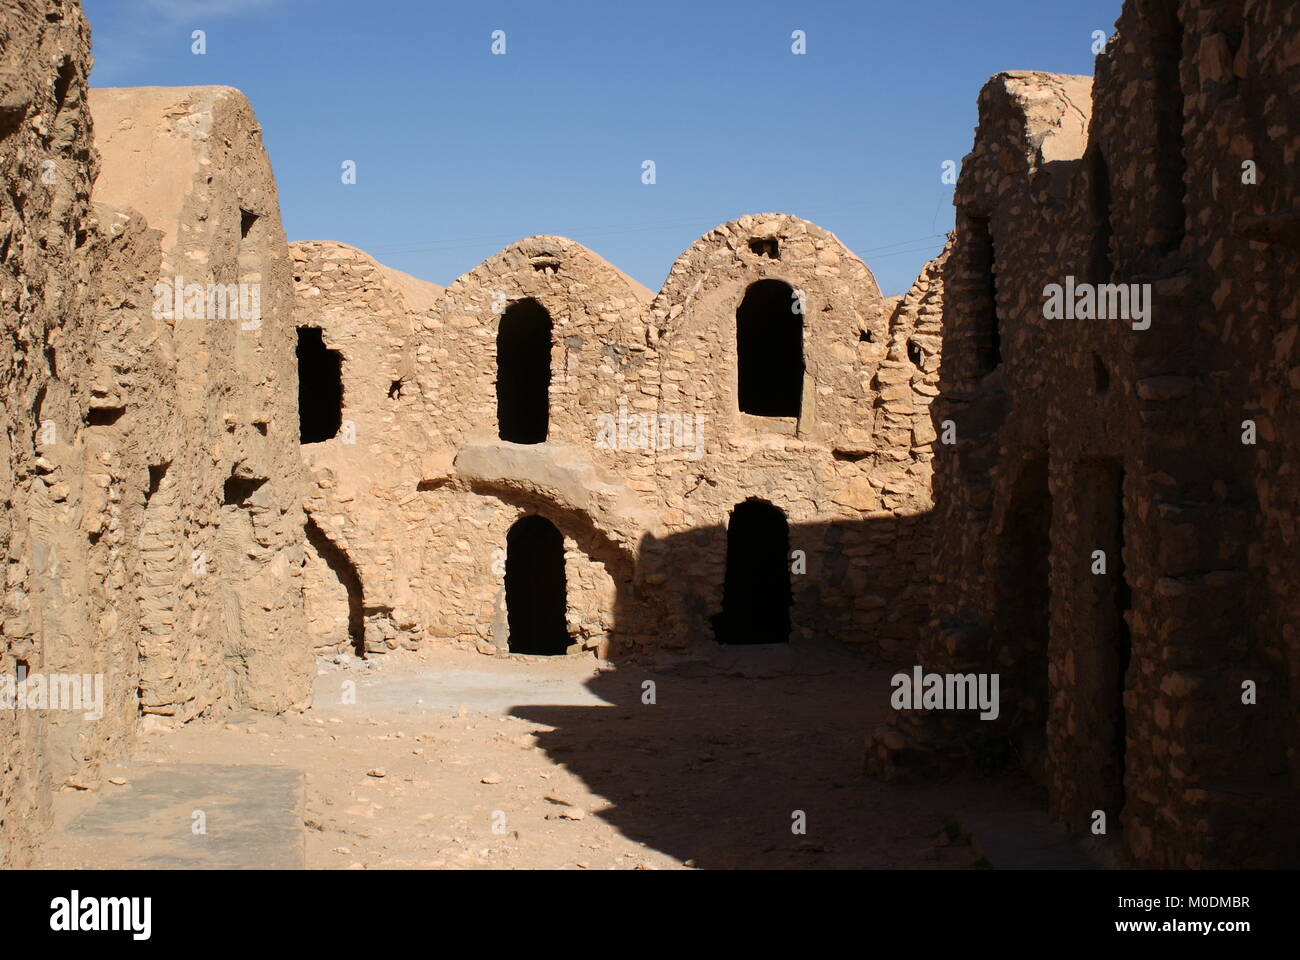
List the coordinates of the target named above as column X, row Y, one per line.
column 1123, row 691
column 223, row 538
column 47, row 164
column 850, row 473
column 137, row 438
column 418, row 489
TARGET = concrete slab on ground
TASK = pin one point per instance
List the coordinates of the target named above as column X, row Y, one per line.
column 254, row 819
column 478, row 691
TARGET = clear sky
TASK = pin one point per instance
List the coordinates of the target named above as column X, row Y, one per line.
column 459, row 151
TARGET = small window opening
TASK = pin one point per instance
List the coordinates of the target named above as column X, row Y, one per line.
column 237, row 490
column 986, row 331
column 1101, row 376
column 63, row 83
column 104, row 416
column 156, row 475
column 914, row 353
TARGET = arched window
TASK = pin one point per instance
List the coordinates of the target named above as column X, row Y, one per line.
column 524, row 373
column 769, row 351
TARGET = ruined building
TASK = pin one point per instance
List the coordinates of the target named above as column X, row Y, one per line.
column 549, row 411
column 1119, row 507
column 152, row 529
column 226, row 454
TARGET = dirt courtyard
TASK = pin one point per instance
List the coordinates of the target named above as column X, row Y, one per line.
column 451, row 759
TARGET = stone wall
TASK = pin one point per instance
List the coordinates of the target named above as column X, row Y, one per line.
column 366, row 318
column 417, row 491
column 223, row 539
column 153, row 524
column 1101, row 511
column 47, row 163
column 1122, row 686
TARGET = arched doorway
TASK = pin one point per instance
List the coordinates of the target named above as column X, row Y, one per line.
column 756, row 589
column 1021, row 581
column 769, row 351
column 320, row 388
column 535, row 588
column 524, row 373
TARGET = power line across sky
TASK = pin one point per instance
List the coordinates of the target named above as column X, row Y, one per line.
column 476, row 124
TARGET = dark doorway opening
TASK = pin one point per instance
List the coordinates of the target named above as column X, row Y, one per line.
column 756, row 590
column 1089, row 745
column 524, row 373
column 769, row 351
column 986, row 330
column 1023, row 605
column 535, row 588
column 1123, row 601
column 320, row 388
column 1099, row 207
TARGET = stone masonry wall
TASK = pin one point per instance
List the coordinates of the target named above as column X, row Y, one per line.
column 223, row 538
column 48, row 164
column 1124, row 690
column 418, row 493
column 153, row 525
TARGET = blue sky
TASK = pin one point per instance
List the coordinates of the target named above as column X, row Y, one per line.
column 459, row 152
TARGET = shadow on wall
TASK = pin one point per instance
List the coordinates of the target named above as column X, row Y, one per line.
column 708, row 756
column 342, row 568
column 845, row 584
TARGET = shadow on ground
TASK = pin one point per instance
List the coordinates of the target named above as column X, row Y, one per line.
column 718, row 764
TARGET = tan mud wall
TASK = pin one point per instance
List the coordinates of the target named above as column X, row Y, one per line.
column 421, row 501
column 138, row 442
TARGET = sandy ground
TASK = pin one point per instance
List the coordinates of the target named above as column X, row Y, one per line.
column 455, row 760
